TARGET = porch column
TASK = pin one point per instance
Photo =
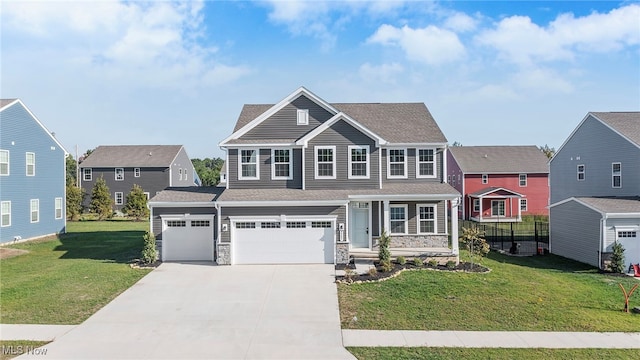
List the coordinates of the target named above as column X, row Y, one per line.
column 520, row 209
column 480, row 200
column 454, row 226
column 385, row 216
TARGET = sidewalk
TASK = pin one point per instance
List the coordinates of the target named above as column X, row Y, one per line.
column 490, row 339
column 33, row 332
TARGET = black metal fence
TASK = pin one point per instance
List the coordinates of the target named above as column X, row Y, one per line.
column 525, row 238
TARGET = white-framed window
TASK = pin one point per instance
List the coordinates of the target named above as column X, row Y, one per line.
column 136, row 172
column 281, row 164
column 522, row 180
column 485, row 178
column 616, row 175
column 325, row 161
column 176, row 223
column 523, row 205
column 359, row 162
column 146, row 193
column 627, row 234
column 249, row 165
column 426, row 219
column 476, row 205
column 58, row 207
column 321, row 224
column 397, row 163
column 296, row 224
column 302, row 117
column 426, row 163
column 31, row 164
column 184, row 172
column 5, row 213
column 35, row 210
column 246, row 225
column 180, row 174
column 4, row 162
column 580, row 172
column 87, row 174
column 398, row 215
column 497, row 208
column 448, row 179
column 200, row 223
column 270, row 225
column 119, row 197
column 119, row 174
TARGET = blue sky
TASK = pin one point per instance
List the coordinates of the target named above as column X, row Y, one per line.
column 491, row 73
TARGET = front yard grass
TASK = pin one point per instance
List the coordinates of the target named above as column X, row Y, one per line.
column 65, row 279
column 540, row 293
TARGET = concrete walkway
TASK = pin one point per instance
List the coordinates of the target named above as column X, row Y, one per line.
column 33, row 332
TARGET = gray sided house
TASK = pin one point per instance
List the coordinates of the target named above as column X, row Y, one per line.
column 32, row 176
column 152, row 167
column 595, row 189
column 312, row 182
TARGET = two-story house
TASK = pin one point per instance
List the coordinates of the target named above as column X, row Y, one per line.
column 309, row 181
column 152, row 167
column 32, row 176
column 595, row 189
column 499, row 183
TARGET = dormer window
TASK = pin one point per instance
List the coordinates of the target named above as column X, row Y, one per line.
column 303, row 117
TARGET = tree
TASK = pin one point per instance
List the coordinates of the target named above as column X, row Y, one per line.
column 548, row 151
column 75, row 198
column 617, row 258
column 101, row 201
column 208, row 170
column 149, row 253
column 456, row 143
column 136, row 205
column 384, row 255
column 70, row 163
column 474, row 241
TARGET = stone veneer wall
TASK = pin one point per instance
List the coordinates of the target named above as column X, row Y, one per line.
column 224, row 254
column 419, row 241
column 158, row 249
column 342, row 253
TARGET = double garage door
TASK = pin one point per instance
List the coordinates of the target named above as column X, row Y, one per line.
column 283, row 242
column 187, row 238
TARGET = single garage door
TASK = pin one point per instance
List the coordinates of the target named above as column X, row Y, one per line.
column 187, row 238
column 283, row 242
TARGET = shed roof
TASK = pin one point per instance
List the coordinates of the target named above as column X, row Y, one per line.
column 500, row 159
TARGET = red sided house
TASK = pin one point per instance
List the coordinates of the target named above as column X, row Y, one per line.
column 499, row 183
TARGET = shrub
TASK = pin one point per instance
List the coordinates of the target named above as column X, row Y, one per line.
column 386, row 266
column 383, row 252
column 75, row 197
column 451, row 264
column 474, row 241
column 433, row 263
column 136, row 205
column 617, row 258
column 401, row 260
column 373, row 271
column 149, row 252
column 417, row 262
column 101, row 201
column 349, row 274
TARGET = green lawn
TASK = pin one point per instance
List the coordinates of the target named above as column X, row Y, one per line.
column 507, row 354
column 65, row 279
column 541, row 293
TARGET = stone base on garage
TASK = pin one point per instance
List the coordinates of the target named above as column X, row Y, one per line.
column 224, row 254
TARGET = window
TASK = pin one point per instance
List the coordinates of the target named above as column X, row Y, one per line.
column 448, row 179
column 627, row 234
column 321, row 224
column 426, row 164
column 616, row 175
column 87, row 174
column 35, row 210
column 303, row 117
column 119, row 174
column 581, row 172
column 497, row 208
column 58, row 208
column 281, row 164
column 358, row 162
column 184, row 171
column 397, row 163
column 523, row 204
column 426, row 219
column 136, row 172
column 5, row 213
column 398, row 217
column 270, row 225
column 296, row 224
column 4, row 162
column 31, row 164
column 522, row 178
column 176, row 223
column 200, row 223
column 245, row 225
column 476, row 205
column 119, row 198
column 248, row 164
column 147, row 195
column 179, row 174
column 485, row 178
column 325, row 162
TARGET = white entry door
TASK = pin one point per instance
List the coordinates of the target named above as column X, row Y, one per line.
column 359, row 227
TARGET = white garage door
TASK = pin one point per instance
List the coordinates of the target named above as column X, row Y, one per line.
column 187, row 238
column 286, row 242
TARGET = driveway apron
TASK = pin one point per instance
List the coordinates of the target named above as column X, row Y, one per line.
column 203, row 311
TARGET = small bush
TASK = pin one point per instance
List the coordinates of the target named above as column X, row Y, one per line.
column 451, row 264
column 383, row 252
column 401, row 260
column 386, row 266
column 433, row 263
column 373, row 271
column 149, row 252
column 349, row 274
column 417, row 262
column 617, row 258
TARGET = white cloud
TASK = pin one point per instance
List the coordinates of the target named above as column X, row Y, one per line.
column 386, row 73
column 431, row 45
column 460, row 22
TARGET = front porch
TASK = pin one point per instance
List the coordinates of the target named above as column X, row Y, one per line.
column 495, row 204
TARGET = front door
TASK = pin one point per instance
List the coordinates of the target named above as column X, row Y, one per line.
column 360, row 228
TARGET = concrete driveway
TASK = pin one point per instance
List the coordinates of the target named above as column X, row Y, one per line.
column 191, row 311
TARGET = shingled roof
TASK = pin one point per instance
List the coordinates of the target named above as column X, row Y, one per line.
column 188, row 194
column 613, row 205
column 500, row 159
column 5, row 102
column 132, row 156
column 626, row 123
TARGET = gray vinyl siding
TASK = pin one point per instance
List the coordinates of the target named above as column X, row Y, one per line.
column 412, row 225
column 595, row 146
column 152, row 180
column 341, row 135
column 183, row 162
column 156, row 221
column 575, row 232
column 265, row 180
column 225, row 212
column 285, row 121
column 411, row 167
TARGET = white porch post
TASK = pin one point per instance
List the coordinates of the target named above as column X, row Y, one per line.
column 480, row 214
column 519, row 209
column 385, row 216
column 454, row 226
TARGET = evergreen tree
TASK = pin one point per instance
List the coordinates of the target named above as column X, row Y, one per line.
column 617, row 258
column 75, row 198
column 101, row 201
column 136, row 205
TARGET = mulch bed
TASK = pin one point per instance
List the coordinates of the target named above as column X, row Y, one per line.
column 380, row 275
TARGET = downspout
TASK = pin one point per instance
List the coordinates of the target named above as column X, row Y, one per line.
column 603, row 221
